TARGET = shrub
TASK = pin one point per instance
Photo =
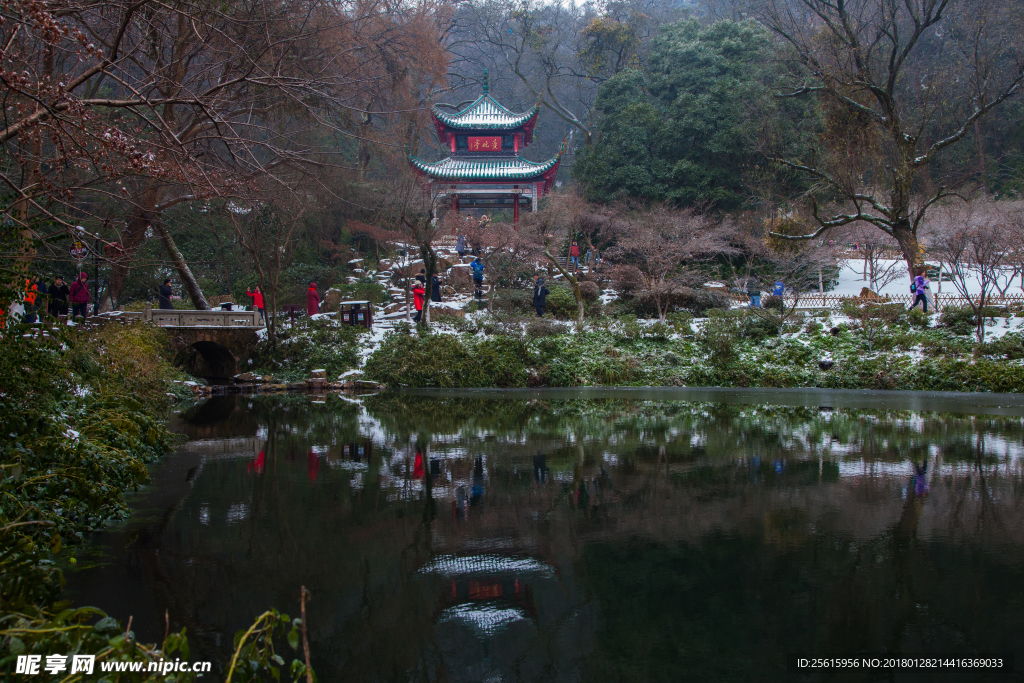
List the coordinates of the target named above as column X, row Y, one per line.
column 543, row 327
column 447, row 361
column 773, row 303
column 681, row 322
column 628, row 280
column 513, row 300
column 134, row 358
column 561, row 302
column 590, row 291
column 719, row 336
column 309, row 345
column 363, row 289
column 962, row 319
column 1010, row 346
column 700, row 301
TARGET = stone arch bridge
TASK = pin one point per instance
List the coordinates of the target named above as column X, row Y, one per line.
column 209, row 344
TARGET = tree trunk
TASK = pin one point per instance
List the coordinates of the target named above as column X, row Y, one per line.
column 980, row 148
column 575, row 287
column 184, row 272
column 909, row 245
column 134, row 235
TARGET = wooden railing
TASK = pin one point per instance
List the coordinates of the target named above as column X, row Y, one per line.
column 938, row 301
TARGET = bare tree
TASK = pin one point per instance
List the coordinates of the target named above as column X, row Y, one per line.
column 876, row 250
column 266, row 231
column 671, row 248
column 553, row 227
column 797, row 267
column 117, row 111
column 899, row 84
column 409, row 214
column 553, row 53
column 980, row 253
column 506, row 252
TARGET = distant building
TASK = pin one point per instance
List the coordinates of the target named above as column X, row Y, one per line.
column 485, row 170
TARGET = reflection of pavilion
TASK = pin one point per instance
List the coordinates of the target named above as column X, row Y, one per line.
column 489, row 622
column 486, row 592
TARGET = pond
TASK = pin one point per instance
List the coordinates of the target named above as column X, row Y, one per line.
column 591, row 535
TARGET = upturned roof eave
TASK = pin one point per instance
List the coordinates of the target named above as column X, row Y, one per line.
column 457, row 120
column 535, row 170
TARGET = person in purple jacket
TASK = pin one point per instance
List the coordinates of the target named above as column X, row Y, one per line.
column 920, row 289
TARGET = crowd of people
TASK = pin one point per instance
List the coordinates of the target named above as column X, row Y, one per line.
column 56, row 299
column 60, row 300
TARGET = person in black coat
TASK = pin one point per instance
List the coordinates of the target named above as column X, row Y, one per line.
column 58, row 294
column 42, row 298
column 165, row 295
column 435, row 288
column 540, row 295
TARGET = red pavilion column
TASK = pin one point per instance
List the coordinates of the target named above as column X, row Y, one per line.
column 515, row 211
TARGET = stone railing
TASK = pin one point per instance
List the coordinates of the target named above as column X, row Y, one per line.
column 175, row 318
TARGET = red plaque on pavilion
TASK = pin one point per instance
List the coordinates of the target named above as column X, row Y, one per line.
column 477, row 144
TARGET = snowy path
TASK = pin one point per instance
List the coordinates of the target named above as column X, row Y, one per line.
column 851, row 281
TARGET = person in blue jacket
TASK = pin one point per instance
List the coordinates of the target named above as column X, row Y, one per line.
column 478, row 276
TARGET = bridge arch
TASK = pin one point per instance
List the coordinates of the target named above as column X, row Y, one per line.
column 207, row 359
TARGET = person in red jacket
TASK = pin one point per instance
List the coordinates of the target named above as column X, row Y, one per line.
column 312, row 300
column 419, row 292
column 574, row 255
column 257, row 301
column 79, row 294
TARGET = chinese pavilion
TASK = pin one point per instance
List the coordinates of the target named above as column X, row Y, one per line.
column 485, row 170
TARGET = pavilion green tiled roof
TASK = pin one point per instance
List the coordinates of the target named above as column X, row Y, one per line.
column 485, row 113
column 502, row 168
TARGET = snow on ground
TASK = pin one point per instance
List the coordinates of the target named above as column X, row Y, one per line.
column 851, row 281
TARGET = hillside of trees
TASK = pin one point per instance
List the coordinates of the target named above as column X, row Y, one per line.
column 265, row 142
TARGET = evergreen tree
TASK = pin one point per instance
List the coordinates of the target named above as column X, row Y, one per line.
column 684, row 128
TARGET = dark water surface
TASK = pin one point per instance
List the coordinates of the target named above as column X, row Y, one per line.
column 593, row 535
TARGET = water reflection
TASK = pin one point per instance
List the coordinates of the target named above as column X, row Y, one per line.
column 470, row 539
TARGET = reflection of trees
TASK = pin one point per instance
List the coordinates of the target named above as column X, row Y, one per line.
column 710, row 539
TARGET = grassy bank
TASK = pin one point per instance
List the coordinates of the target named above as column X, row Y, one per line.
column 729, row 349
column 82, row 414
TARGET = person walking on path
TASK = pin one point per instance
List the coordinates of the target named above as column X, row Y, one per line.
column 574, row 256
column 165, row 294
column 478, row 277
column 435, row 288
column 59, row 294
column 460, row 245
column 79, row 295
column 588, row 259
column 312, row 300
column 754, row 292
column 418, row 295
column 257, row 301
column 919, row 287
column 540, row 295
